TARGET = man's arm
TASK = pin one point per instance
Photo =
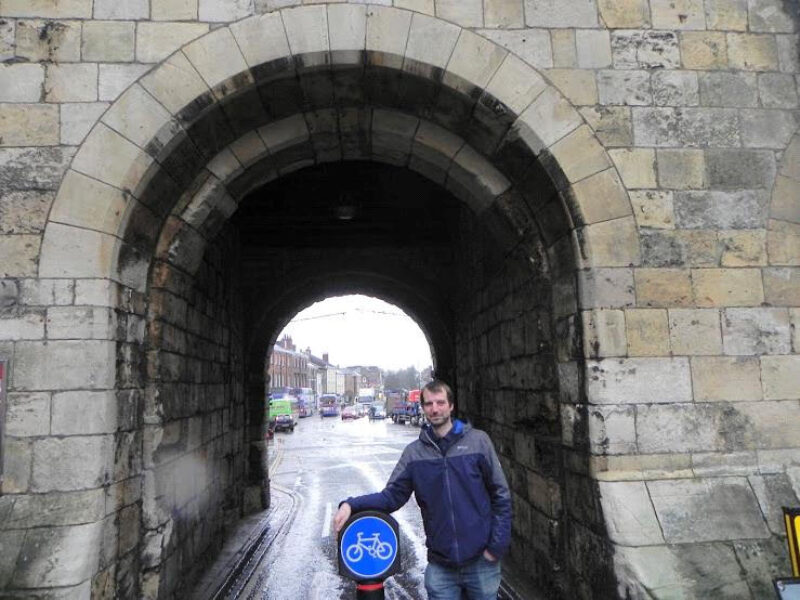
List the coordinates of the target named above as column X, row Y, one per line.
column 500, row 537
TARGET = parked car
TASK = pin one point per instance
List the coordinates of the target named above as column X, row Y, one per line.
column 349, row 412
column 377, row 412
column 284, row 423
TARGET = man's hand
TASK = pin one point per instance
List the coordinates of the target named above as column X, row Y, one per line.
column 341, row 516
column 489, row 556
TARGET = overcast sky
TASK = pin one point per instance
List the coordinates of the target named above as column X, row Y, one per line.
column 358, row 330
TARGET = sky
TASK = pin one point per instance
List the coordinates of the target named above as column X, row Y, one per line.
column 359, row 330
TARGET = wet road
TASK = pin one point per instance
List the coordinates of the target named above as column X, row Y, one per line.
column 322, row 462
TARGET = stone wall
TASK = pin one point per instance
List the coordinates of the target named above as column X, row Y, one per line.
column 672, row 247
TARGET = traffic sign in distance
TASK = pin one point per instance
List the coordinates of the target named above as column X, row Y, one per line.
column 369, row 547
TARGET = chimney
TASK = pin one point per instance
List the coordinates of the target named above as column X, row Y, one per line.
column 325, row 357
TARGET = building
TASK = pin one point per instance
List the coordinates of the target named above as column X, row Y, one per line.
column 287, row 367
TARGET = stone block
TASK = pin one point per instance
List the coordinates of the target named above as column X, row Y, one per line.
column 612, row 124
column 773, row 492
column 752, row 52
column 564, row 52
column 84, row 413
column 57, row 41
column 84, row 201
column 113, row 79
column 560, row 13
column 24, row 211
column 430, row 41
column 746, row 248
column 218, row 59
column 7, row 44
column 647, row 332
column 515, row 84
column 26, row 326
column 628, row 87
column 155, row 41
column 77, row 119
column 580, row 155
column 28, row 415
column 474, row 60
column 704, row 50
column 17, row 458
column 550, row 117
column 744, row 209
column 727, row 287
column 788, row 55
column 476, row 174
column 694, row 331
column 723, row 379
column 773, row 16
column 638, row 380
column 769, row 424
column 767, row 128
column 780, row 377
column 782, row 286
column 28, row 125
column 467, row 13
column 728, row 89
column 675, row 88
column 80, row 322
column 754, row 331
column 284, row 133
column 577, row 85
column 503, row 14
column 426, row 7
column 46, row 292
column 56, row 509
column 777, row 90
column 653, row 209
column 636, row 167
column 604, row 333
column 11, row 542
column 71, row 463
column 173, row 10
column 612, row 429
column 601, row 197
column 139, row 117
column 71, row 556
column 663, row 287
column 71, row 83
column 634, row 49
column 347, row 24
column 109, row 157
column 387, row 32
column 726, row 15
column 108, row 41
column 21, row 82
column 704, row 510
column 681, row 169
column 613, row 243
column 531, row 45
column 606, row 288
column 629, row 514
column 19, row 254
column 624, row 14
column 51, row 365
column 74, row 252
column 63, row 9
column 794, row 315
column 677, row 14
column 175, row 83
column 307, row 30
column 224, row 11
column 593, row 48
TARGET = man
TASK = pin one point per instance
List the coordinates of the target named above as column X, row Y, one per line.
column 463, row 495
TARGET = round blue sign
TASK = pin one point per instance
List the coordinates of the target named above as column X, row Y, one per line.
column 368, row 547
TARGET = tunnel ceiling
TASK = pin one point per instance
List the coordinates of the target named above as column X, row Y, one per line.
column 347, row 204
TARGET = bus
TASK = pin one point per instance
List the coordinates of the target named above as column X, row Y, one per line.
column 305, row 401
column 329, row 405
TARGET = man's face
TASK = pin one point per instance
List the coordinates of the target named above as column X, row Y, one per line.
column 436, row 407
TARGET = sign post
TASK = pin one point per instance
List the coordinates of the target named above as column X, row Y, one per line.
column 369, row 552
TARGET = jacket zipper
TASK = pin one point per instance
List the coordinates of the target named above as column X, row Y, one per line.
column 449, row 496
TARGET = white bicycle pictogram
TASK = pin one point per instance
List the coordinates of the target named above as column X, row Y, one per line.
column 372, row 545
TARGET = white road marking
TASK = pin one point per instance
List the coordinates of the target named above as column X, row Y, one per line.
column 326, row 521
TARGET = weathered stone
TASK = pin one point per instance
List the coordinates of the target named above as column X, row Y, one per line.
column 111, row 158
column 788, row 55
column 51, row 365
column 704, row 50
column 720, row 210
column 624, row 13
column 638, row 380
column 430, row 41
column 56, row 509
column 777, row 90
column 79, row 322
column 728, row 89
column 694, row 331
column 173, row 10
column 675, row 88
column 721, row 379
column 727, row 287
column 767, row 424
column 57, row 41
column 19, row 255
column 156, row 41
column 612, row 429
column 28, row 415
column 71, row 463
column 108, row 41
column 473, row 62
column 28, row 125
column 767, row 129
column 21, row 82
column 752, row 52
column 593, row 48
column 753, row 331
column 604, row 333
column 222, row 11
column 7, row 45
column 645, row 49
column 692, row 127
column 77, row 120
column 565, row 54
column 681, row 169
column 531, row 45
column 774, row 492
column 703, row 510
column 773, row 16
column 71, row 83
column 503, row 13
column 663, row 287
column 647, row 332
column 631, row 88
column 762, row 561
column 467, row 13
column 612, row 243
column 636, row 167
column 780, row 376
column 606, row 288
column 631, row 518
column 113, row 79
column 71, row 558
column 612, row 124
column 726, row 15
column 677, row 14
column 24, row 211
column 781, row 286
column 740, row 168
column 653, row 209
column 46, row 292
column 17, row 458
column 745, row 248
column 563, row 13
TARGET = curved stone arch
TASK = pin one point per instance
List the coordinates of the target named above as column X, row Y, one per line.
column 783, row 225
column 118, row 165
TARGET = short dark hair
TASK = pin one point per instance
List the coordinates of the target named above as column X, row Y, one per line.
column 437, row 385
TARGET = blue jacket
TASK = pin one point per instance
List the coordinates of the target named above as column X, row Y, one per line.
column 462, row 492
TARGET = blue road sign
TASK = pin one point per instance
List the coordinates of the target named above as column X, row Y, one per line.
column 369, row 546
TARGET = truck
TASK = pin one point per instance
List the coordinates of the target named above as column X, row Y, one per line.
column 407, row 411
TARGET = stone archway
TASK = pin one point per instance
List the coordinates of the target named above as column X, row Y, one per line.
column 151, row 186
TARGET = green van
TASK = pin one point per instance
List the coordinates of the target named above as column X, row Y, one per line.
column 280, row 415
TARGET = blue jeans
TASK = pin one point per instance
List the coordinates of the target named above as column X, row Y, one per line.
column 478, row 580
